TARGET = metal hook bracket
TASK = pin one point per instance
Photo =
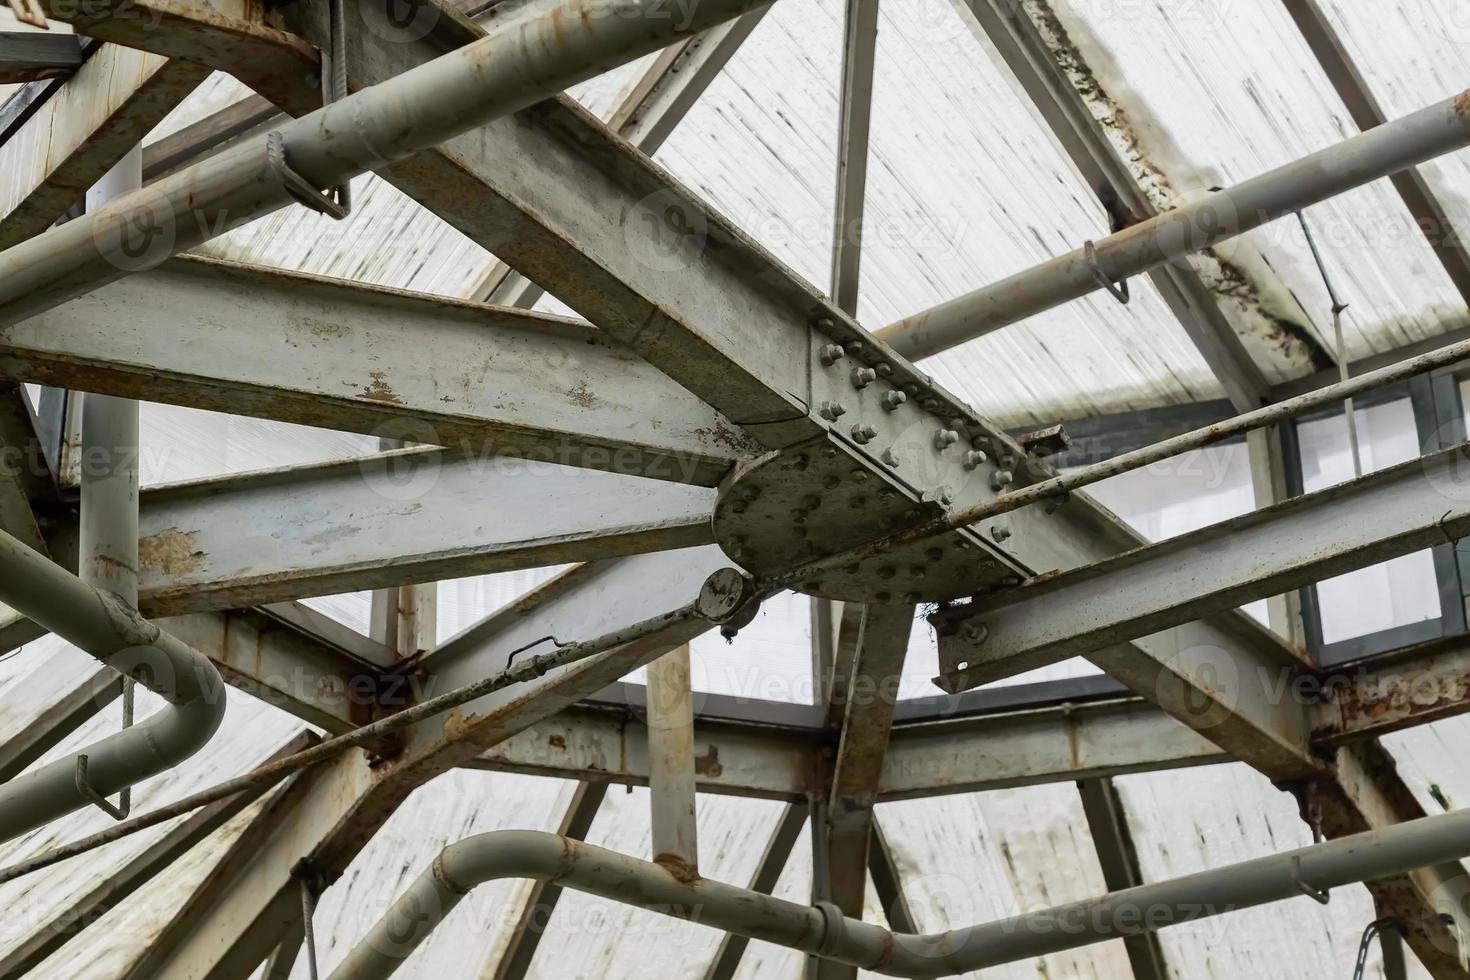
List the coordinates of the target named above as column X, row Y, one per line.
column 333, row 203
column 97, row 799
column 1119, row 289
column 1306, row 888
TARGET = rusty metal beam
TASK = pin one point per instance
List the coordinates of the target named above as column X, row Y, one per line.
column 77, row 134
column 341, row 804
column 224, row 35
column 1391, row 692
column 316, row 351
column 1413, row 189
column 514, row 962
column 395, row 519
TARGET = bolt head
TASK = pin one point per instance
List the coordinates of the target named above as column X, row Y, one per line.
column 999, row 533
column 974, row 458
column 890, row 457
column 830, row 354
column 975, row 633
column 893, row 399
column 832, row 411
column 863, row 376
column 1001, row 480
column 945, row 438
column 863, row 434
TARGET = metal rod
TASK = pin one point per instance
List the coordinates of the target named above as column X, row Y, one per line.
column 1213, row 218
column 108, row 521
column 527, row 60
column 823, row 931
column 1338, row 308
column 273, row 772
column 1084, row 476
column 671, row 787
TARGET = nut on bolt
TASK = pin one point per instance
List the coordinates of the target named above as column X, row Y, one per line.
column 974, row 458
column 863, row 376
column 999, row 533
column 830, row 354
column 975, row 633
column 1001, row 480
column 893, row 399
column 945, row 438
column 863, row 434
column 832, row 411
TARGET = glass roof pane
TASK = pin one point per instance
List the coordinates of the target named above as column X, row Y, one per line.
column 966, row 186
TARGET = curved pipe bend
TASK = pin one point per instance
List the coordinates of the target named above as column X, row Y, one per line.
column 120, row 637
column 824, row 931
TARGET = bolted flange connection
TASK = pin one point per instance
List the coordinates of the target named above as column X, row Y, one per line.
column 730, row 598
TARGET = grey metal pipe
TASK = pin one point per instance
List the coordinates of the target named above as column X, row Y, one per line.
column 825, row 932
column 527, row 60
column 1213, row 218
column 115, row 633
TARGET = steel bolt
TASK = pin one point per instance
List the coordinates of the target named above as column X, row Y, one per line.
column 823, row 324
column 863, row 434
column 830, row 354
column 863, row 376
column 1001, row 480
column 974, row 458
column 945, row 438
column 893, row 399
column 883, row 368
column 999, row 533
column 832, row 411
column 890, row 457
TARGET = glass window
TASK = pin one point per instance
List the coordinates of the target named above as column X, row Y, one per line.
column 1395, row 593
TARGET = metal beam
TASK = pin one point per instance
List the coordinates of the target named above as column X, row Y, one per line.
column 98, row 688
column 767, row 874
column 887, row 883
column 208, row 136
column 1391, row 692
column 1071, row 120
column 322, row 352
column 412, row 516
column 855, row 102
column 25, row 486
column 136, row 873
column 1108, row 825
column 868, row 700
column 345, row 801
column 1380, row 516
column 226, row 35
column 514, row 962
column 648, row 114
column 1428, row 213
column 28, row 56
column 85, row 127
column 672, row 819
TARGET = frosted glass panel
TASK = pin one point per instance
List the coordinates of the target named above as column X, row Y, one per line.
column 1379, row 597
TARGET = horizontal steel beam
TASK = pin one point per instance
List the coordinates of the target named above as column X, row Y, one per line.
column 323, row 352
column 412, row 516
column 28, row 56
column 1391, row 692
column 1260, row 554
column 932, row 758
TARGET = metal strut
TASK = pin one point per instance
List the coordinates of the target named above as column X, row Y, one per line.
column 311, row 880
column 1118, row 290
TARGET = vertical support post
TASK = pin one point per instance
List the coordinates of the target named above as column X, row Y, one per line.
column 671, row 760
column 515, row 962
column 767, row 874
column 406, row 618
column 1269, row 479
column 1119, row 861
column 858, row 52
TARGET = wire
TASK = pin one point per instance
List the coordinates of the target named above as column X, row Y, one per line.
column 1373, row 929
column 1338, row 306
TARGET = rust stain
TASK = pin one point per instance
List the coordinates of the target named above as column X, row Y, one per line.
column 171, row 552
column 681, row 870
column 556, row 741
column 379, row 390
column 708, row 765
column 581, row 396
column 1462, row 109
